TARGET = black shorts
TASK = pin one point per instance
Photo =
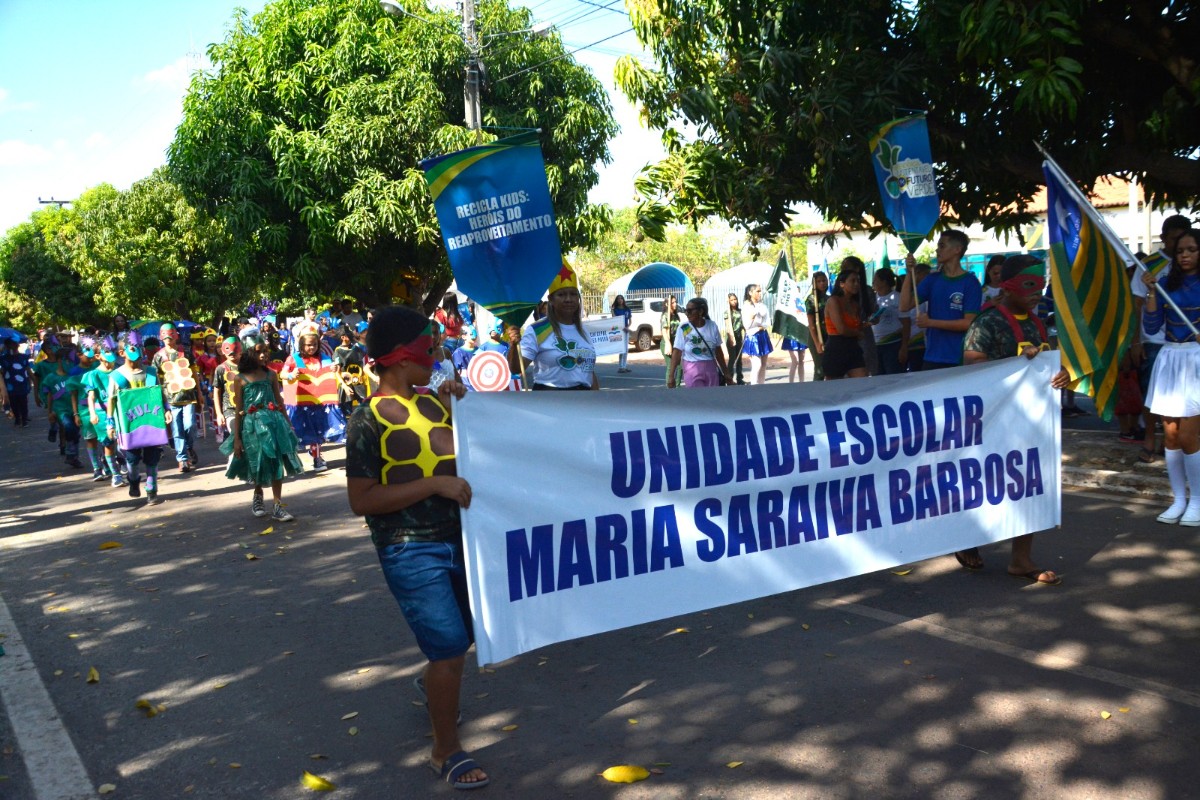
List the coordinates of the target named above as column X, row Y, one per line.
column 842, row 354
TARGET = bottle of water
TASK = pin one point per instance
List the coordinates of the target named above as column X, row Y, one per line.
column 438, row 377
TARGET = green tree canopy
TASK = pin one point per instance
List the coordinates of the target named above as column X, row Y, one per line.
column 304, row 139
column 40, row 285
column 149, row 253
column 779, row 99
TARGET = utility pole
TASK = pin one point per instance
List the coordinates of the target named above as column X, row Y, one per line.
column 471, row 84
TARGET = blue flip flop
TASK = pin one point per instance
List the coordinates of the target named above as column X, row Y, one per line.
column 457, row 765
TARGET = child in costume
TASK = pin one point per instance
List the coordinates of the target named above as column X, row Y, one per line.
column 96, row 383
column 263, row 446
column 133, row 375
column 184, row 395
column 349, row 359
column 314, row 424
column 45, row 362
column 56, row 386
column 406, row 487
column 15, row 365
column 222, row 392
column 78, row 387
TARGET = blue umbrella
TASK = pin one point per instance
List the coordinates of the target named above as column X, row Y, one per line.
column 14, row 335
column 150, row 327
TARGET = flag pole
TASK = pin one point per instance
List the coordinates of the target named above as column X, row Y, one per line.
column 1109, row 236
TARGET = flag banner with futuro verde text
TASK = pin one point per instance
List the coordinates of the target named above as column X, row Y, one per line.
column 904, row 169
column 636, row 510
column 497, row 220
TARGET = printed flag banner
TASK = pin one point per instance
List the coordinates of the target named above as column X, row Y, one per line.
column 637, row 510
column 311, row 387
column 140, row 419
column 606, row 335
column 1093, row 304
column 790, row 317
column 497, row 220
column 1156, row 263
column 904, row 170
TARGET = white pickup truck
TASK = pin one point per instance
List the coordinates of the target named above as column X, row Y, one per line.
column 645, row 322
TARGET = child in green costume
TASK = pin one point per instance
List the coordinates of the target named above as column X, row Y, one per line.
column 263, row 444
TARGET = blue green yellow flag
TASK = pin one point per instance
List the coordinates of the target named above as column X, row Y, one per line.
column 497, row 219
column 1093, row 304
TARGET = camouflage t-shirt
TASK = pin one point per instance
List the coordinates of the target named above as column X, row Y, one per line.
column 991, row 334
column 413, row 451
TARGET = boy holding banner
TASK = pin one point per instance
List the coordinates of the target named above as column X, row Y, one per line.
column 954, row 296
column 138, row 415
column 1009, row 328
column 401, row 476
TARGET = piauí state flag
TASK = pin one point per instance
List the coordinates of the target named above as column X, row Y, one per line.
column 790, row 317
column 904, row 169
column 493, row 205
column 1093, row 303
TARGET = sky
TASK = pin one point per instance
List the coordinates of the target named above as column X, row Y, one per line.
column 91, row 92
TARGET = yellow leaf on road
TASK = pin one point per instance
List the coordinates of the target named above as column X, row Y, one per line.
column 148, row 707
column 251, row 557
column 1105, row 715
column 268, row 530
column 901, row 572
column 625, row 773
column 633, row 722
column 509, row 728
column 93, row 675
column 804, row 625
column 111, row 545
column 735, row 764
column 316, row 782
column 1123, row 710
column 353, row 731
column 351, row 715
column 106, row 788
column 234, row 765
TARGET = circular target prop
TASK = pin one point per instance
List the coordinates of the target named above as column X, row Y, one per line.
column 489, row 372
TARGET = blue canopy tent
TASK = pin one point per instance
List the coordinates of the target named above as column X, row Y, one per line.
column 657, row 279
column 10, row 333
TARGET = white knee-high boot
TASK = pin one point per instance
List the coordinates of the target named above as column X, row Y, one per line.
column 1191, row 517
column 1177, row 475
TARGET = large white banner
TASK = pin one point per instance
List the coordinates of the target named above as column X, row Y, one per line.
column 593, row 511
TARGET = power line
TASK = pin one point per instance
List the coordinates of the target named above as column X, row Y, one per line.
column 560, row 57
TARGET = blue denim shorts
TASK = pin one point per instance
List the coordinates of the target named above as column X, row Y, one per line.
column 429, row 581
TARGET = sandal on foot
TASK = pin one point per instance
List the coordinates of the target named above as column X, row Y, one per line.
column 457, row 765
column 1034, row 576
column 961, row 557
column 1147, row 455
column 419, row 685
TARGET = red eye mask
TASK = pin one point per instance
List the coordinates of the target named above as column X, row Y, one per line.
column 419, row 351
column 1024, row 284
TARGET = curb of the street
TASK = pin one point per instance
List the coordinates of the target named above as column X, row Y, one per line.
column 1113, row 481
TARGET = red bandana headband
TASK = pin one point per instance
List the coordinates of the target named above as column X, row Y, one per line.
column 419, row 351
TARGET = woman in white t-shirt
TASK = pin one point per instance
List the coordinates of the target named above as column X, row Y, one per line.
column 698, row 345
column 560, row 351
column 758, row 343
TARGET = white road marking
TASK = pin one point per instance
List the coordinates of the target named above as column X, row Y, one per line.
column 55, row 770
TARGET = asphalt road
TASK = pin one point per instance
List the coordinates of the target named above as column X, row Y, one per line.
column 937, row 683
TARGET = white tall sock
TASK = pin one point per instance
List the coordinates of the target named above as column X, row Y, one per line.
column 1192, row 465
column 1177, row 475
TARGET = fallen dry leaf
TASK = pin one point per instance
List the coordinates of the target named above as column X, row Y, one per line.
column 111, row 545
column 1105, row 715
column 93, row 675
column 316, row 782
column 804, row 625
column 234, row 765
column 106, row 788
column 251, row 557
column 735, row 764
column 901, row 572
column 353, row 731
column 268, row 530
column 509, row 728
column 145, row 705
column 1123, row 710
column 351, row 715
column 632, row 721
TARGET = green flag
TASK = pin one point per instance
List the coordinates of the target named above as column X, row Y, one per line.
column 790, row 317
